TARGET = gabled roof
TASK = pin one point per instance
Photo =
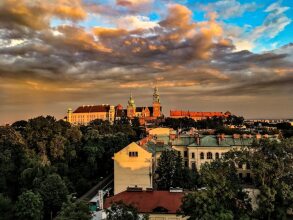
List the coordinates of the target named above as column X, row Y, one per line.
column 149, row 202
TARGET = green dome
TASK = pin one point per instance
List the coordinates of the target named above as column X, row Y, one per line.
column 131, row 100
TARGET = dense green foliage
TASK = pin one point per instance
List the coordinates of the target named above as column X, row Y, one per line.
column 223, row 195
column 29, row 206
column 122, row 211
column 272, row 167
column 74, row 210
column 209, row 123
column 52, row 158
column 6, row 208
column 171, row 173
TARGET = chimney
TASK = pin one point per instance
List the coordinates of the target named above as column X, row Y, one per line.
column 222, row 136
column 258, row 136
column 236, row 136
column 172, row 136
column 219, row 138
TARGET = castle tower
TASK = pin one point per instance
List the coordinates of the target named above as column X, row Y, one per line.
column 69, row 115
column 131, row 108
column 156, row 103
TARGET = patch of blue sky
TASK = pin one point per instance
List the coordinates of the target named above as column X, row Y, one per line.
column 266, row 44
column 96, row 21
column 154, row 16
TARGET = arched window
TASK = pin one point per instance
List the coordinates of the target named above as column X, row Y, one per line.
column 201, row 155
column 209, row 155
column 217, row 155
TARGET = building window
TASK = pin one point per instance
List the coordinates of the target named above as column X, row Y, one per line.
column 133, row 154
column 217, row 155
column 240, row 175
column 185, row 153
column 209, row 155
column 179, row 154
column 248, row 176
column 240, row 165
column 193, row 167
column 192, row 155
column 186, row 163
column 248, row 166
column 201, row 155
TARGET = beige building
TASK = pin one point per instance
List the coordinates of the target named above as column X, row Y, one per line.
column 133, row 167
column 87, row 113
column 160, row 131
column 199, row 149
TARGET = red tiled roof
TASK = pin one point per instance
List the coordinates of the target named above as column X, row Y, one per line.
column 196, row 114
column 92, row 108
column 146, row 202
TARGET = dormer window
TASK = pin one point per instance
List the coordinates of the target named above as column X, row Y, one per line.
column 133, row 154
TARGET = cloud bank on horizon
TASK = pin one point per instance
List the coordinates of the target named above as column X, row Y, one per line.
column 204, row 55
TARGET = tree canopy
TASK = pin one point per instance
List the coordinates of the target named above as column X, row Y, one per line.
column 171, row 173
column 223, row 195
column 54, row 158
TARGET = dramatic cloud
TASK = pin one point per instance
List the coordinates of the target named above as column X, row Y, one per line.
column 47, row 65
column 36, row 14
column 229, row 8
column 274, row 23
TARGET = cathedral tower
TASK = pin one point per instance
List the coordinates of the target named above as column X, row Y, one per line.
column 156, row 103
column 131, row 108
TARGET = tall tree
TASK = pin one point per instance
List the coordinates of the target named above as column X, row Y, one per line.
column 74, row 210
column 171, row 173
column 222, row 196
column 54, row 192
column 6, row 208
column 29, row 206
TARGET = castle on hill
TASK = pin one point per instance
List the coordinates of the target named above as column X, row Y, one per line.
column 87, row 113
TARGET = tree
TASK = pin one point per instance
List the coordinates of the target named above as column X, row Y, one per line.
column 29, row 206
column 272, row 168
column 74, row 210
column 54, row 192
column 13, row 160
column 122, row 211
column 222, row 196
column 170, row 172
column 6, row 208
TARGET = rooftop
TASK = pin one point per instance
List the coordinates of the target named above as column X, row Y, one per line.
column 92, row 108
column 149, row 201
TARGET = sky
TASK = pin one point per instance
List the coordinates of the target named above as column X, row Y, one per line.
column 204, row 55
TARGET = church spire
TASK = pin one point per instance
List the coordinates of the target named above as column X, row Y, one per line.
column 131, row 100
column 156, row 96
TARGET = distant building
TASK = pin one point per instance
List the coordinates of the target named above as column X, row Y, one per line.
column 87, row 113
column 145, row 112
column 197, row 116
column 159, row 205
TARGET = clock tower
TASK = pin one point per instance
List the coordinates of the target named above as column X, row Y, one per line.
column 131, row 108
column 156, row 103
